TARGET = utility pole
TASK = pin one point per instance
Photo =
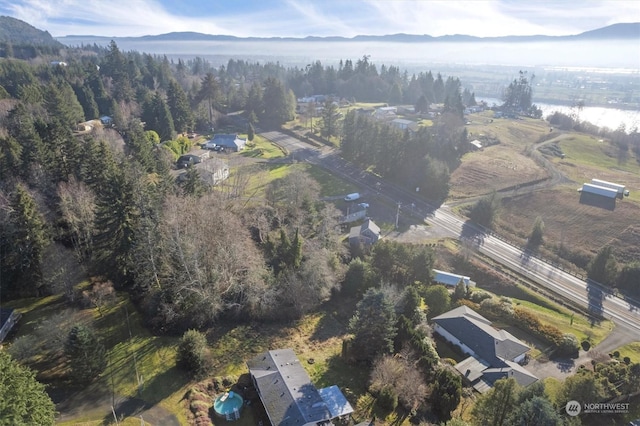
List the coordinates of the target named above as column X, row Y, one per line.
column 398, row 214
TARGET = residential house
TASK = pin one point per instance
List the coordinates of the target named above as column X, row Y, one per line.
column 230, row 142
column 387, row 113
column 8, row 318
column 450, row 279
column 402, row 124
column 289, row 397
column 212, row 171
column 494, row 354
column 366, row 234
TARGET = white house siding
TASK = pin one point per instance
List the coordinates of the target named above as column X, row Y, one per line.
column 520, row 358
column 452, row 339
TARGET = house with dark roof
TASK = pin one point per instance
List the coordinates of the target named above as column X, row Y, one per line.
column 289, row 397
column 8, row 318
column 494, row 354
column 230, row 142
column 366, row 234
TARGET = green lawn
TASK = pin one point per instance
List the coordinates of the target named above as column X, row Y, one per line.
column 569, row 322
column 262, row 148
column 330, row 185
column 632, row 350
column 588, row 150
column 139, row 364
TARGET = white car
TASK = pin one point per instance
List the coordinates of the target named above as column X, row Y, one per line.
column 209, row 145
column 352, row 197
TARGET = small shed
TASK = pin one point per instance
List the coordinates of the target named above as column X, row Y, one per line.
column 451, row 279
column 476, row 144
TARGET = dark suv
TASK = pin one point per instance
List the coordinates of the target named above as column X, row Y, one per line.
column 188, row 160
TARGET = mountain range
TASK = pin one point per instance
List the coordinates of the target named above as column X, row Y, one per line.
column 19, row 32
column 623, row 31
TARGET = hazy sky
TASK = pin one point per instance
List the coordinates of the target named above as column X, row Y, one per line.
column 300, row 18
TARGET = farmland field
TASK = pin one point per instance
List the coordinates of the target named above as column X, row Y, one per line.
column 498, row 166
column 566, row 221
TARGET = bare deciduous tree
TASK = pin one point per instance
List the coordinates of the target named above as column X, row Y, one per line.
column 402, row 373
column 78, row 207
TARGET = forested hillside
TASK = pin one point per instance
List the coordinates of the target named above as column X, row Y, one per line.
column 21, row 40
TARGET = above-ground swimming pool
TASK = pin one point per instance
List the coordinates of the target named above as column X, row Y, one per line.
column 228, row 405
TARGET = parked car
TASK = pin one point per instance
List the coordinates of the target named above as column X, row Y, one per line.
column 188, row 160
column 352, row 197
column 218, row 148
column 363, row 205
column 209, row 145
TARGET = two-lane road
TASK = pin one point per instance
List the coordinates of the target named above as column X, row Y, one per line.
column 512, row 257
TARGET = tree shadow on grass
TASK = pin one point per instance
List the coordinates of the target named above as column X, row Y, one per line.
column 328, row 326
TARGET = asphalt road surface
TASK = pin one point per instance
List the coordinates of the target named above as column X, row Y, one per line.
column 622, row 312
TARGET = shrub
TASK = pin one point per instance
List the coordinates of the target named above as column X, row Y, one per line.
column 193, row 354
column 387, row 398
column 627, row 360
column 585, row 345
column 568, row 345
column 616, row 354
column 479, row 295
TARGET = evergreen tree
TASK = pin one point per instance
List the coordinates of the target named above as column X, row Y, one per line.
column 517, row 97
column 254, row 106
column 603, row 268
column 446, row 392
column 179, row 108
column 538, row 411
column 62, row 105
column 193, row 184
column 24, row 400
column 493, row 407
column 251, row 132
column 373, row 326
column 86, row 354
column 329, row 119
column 158, row 118
column 537, row 234
column 280, row 102
column 116, row 222
column 210, row 91
column 27, row 241
column 20, row 126
column 87, row 100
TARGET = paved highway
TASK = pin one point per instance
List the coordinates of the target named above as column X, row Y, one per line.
column 572, row 288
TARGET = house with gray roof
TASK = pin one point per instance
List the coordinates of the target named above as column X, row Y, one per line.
column 494, row 354
column 230, row 142
column 289, row 397
column 366, row 234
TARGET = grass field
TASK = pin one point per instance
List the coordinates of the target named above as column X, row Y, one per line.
column 134, row 355
column 262, row 148
column 632, row 350
column 498, row 166
column 569, row 322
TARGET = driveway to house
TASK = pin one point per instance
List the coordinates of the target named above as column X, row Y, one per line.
column 543, row 367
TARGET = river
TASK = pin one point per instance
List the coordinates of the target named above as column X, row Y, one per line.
column 600, row 116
